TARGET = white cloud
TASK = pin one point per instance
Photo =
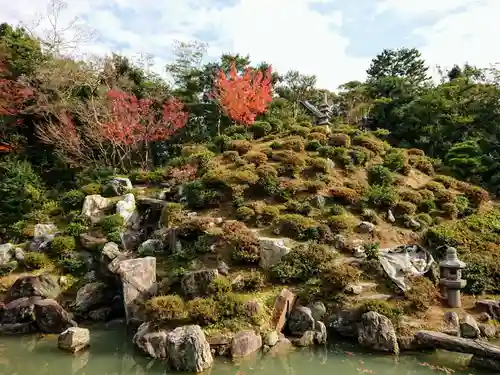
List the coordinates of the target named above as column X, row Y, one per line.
column 285, row 33
column 465, row 30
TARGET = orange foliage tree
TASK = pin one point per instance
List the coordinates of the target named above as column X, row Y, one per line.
column 243, row 97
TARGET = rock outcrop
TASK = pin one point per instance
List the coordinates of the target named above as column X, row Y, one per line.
column 245, row 343
column 151, row 341
column 74, row 339
column 376, row 332
column 188, row 349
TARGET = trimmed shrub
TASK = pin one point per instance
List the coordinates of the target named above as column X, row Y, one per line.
column 63, row 245
column 35, row 261
column 380, row 196
column 241, row 146
column 313, row 145
column 251, row 281
column 415, row 151
column 91, row 189
column 337, row 276
column 302, row 263
column 405, row 209
column 477, row 195
column 380, row 175
column 162, row 309
column 340, row 223
column 293, row 144
column 255, row 157
column 371, row 144
column 111, row 223
column 203, row 311
column 427, row 205
column 297, row 227
column 344, row 195
column 245, row 214
column 410, row 195
column 395, row 160
column 241, row 241
column 339, row 140
column 434, row 186
column 260, row 129
column 315, row 136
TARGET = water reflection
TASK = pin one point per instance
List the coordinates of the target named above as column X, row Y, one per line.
column 112, row 353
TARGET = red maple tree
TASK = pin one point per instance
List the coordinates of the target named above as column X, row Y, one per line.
column 243, row 97
column 115, row 131
column 134, row 121
column 13, row 96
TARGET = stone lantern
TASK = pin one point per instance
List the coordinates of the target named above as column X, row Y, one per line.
column 451, row 277
column 325, row 111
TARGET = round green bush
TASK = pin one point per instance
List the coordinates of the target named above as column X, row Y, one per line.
column 165, row 308
column 380, row 175
column 261, row 129
column 63, row 245
column 72, row 200
column 203, row 310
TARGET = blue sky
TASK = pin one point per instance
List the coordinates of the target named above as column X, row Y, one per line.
column 334, row 39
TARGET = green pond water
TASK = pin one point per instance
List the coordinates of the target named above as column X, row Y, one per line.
column 111, row 353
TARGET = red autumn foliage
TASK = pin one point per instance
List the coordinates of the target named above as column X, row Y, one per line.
column 243, row 97
column 13, row 93
column 134, row 121
column 183, row 174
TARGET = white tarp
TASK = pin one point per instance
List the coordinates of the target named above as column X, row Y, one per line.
column 404, row 260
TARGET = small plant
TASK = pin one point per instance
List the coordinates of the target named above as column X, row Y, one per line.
column 395, row 160
column 91, row 189
column 241, row 242
column 261, row 129
column 245, row 214
column 75, row 229
column 337, row 276
column 421, row 293
column 111, row 223
column 381, row 196
column 372, row 250
column 72, row 200
column 380, row 175
column 35, row 261
column 63, row 245
column 203, row 310
column 219, row 286
column 404, row 208
column 163, row 309
column 241, row 146
column 251, row 281
column 344, row 195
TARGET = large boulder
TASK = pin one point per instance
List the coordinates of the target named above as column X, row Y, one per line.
column 188, row 349
column 376, row 332
column 21, row 310
column 151, row 341
column 45, row 286
column 245, row 343
column 196, row 283
column 90, row 242
column 469, row 328
column 282, row 307
column 150, row 247
column 74, row 339
column 127, row 209
column 138, row 278
column 51, row 317
column 6, row 251
column 95, row 206
column 271, row 251
column 120, row 185
column 300, row 321
column 91, row 296
column 492, row 307
column 43, row 234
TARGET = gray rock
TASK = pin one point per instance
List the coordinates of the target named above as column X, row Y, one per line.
column 469, row 328
column 21, row 310
column 51, row 317
column 300, row 321
column 19, row 254
column 307, row 339
column 451, row 319
column 220, row 343
column 90, row 242
column 151, row 341
column 365, row 227
column 339, row 242
column 271, row 338
column 376, row 332
column 91, row 296
column 318, row 310
column 390, row 217
column 120, row 185
column 44, row 230
column 43, row 285
column 74, row 339
column 95, row 206
column 138, row 277
column 223, row 268
column 6, row 253
column 354, row 289
column 483, row 317
column 492, row 307
column 188, row 349
column 343, row 323
column 488, row 330
column 413, row 224
column 127, row 209
column 150, row 247
column 245, row 343
column 283, row 306
column 320, row 335
column 196, row 283
column 271, row 251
